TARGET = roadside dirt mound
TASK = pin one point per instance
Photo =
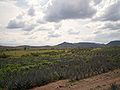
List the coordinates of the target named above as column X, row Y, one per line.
column 99, row 82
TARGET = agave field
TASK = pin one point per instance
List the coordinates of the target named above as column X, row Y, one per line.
column 25, row 69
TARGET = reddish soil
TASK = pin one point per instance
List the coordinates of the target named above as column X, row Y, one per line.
column 99, row 82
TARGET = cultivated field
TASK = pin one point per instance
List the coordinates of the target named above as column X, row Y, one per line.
column 22, row 69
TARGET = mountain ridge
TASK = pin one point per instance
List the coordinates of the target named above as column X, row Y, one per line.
column 70, row 45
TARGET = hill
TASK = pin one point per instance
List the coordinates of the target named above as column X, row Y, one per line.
column 87, row 44
column 114, row 43
column 79, row 45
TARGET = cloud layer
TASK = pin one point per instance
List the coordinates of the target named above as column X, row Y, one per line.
column 13, row 24
column 49, row 22
column 112, row 12
column 57, row 10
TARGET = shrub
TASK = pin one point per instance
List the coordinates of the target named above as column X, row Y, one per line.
column 114, row 87
column 3, row 55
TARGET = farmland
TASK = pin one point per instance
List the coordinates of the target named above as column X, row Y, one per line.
column 22, row 69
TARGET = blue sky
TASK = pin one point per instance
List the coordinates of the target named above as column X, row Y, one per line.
column 50, row 22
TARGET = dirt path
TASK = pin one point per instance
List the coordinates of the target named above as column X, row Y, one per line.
column 99, row 82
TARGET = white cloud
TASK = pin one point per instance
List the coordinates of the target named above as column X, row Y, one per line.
column 108, row 10
column 13, row 24
column 73, row 32
column 107, row 36
column 79, row 20
column 7, row 11
column 31, row 11
column 111, row 26
column 112, row 12
column 63, row 9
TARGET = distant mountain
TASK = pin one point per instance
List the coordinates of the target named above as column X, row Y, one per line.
column 114, row 43
column 65, row 45
column 79, row 45
column 88, row 45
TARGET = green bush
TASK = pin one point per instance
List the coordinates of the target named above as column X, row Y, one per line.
column 114, row 87
column 3, row 55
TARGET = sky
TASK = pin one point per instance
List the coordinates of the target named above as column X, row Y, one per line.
column 50, row 22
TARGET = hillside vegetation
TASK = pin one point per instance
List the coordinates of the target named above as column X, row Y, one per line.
column 28, row 68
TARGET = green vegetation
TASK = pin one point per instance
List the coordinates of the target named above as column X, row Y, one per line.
column 114, row 87
column 27, row 68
